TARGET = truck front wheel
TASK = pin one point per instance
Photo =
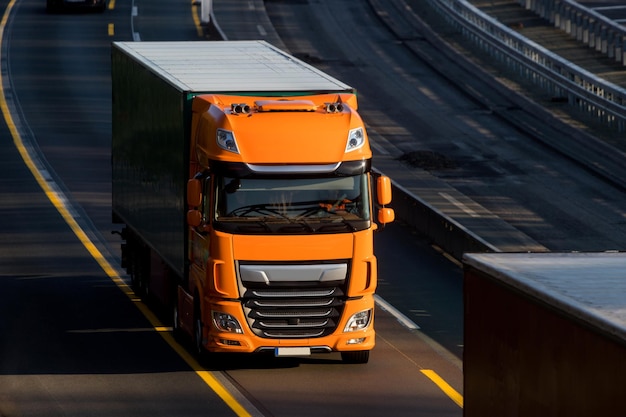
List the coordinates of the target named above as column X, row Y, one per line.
column 358, row 356
column 176, row 329
column 197, row 333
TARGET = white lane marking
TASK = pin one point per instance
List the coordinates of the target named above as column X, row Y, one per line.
column 404, row 320
column 134, row 12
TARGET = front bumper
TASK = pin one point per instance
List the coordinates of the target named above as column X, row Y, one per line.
column 338, row 341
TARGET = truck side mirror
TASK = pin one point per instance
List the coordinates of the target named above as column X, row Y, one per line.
column 194, row 193
column 194, row 218
column 383, row 190
column 383, row 195
column 386, row 215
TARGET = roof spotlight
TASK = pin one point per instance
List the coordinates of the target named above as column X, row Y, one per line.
column 240, row 108
column 334, row 107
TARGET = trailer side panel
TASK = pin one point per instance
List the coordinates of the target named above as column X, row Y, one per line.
column 527, row 355
column 150, row 156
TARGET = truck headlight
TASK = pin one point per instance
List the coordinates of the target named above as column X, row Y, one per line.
column 226, row 140
column 359, row 321
column 226, row 323
column 356, row 139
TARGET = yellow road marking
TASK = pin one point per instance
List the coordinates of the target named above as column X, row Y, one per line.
column 111, row 29
column 430, row 374
column 58, row 201
column 111, row 4
column 196, row 19
column 444, row 386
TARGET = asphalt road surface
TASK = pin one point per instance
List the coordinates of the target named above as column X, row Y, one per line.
column 73, row 343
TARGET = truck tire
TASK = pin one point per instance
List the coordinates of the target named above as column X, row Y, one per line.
column 198, row 347
column 356, row 357
column 140, row 271
column 134, row 273
column 177, row 332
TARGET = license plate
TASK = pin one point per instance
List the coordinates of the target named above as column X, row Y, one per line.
column 292, row 351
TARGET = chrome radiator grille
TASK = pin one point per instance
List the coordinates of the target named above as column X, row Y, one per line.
column 293, row 301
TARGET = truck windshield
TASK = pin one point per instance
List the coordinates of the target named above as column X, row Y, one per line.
column 293, row 205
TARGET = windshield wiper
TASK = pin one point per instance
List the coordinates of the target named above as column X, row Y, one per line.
column 266, row 214
column 274, row 217
column 265, row 210
column 334, row 221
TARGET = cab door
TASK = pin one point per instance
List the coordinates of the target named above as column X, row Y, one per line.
column 198, row 226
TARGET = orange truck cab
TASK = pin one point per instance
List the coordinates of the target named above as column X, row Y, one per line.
column 243, row 178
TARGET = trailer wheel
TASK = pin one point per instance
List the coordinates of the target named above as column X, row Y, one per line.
column 140, row 271
column 134, row 273
column 356, row 357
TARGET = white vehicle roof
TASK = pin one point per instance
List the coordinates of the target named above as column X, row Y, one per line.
column 588, row 286
column 231, row 66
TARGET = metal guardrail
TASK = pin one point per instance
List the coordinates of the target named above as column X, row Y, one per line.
column 588, row 26
column 593, row 95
